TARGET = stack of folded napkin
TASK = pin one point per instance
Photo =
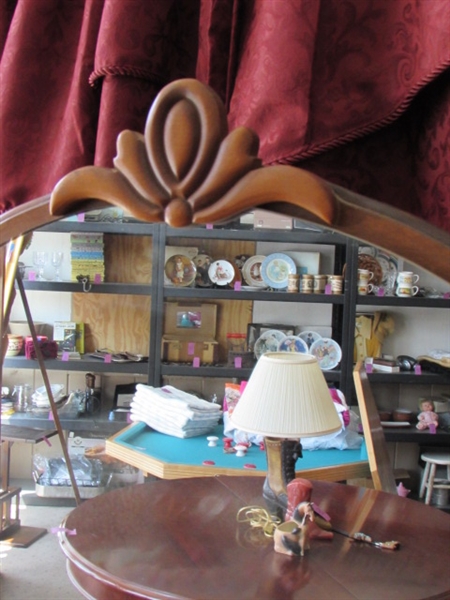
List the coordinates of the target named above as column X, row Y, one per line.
column 173, row 411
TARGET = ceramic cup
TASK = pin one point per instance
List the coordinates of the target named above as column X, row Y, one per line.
column 364, row 288
column 293, row 283
column 337, row 283
column 307, row 284
column 320, row 281
column 407, row 277
column 15, row 345
column 365, row 275
column 406, row 291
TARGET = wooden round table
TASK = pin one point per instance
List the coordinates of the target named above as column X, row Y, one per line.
column 180, row 539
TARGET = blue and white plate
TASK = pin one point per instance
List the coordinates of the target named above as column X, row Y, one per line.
column 309, row 337
column 275, row 270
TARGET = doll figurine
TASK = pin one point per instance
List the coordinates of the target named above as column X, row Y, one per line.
column 428, row 419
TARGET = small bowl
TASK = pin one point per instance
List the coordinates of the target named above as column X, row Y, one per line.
column 385, row 415
column 15, row 345
column 402, row 415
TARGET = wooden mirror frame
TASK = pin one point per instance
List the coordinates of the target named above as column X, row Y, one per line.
column 187, row 169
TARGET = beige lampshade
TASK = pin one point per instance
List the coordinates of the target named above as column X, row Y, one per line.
column 286, row 397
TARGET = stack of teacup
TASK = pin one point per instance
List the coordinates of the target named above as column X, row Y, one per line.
column 405, row 284
column 364, row 285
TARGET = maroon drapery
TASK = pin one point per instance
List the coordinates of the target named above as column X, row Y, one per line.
column 357, row 91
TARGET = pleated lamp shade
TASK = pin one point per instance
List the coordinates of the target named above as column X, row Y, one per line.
column 286, row 397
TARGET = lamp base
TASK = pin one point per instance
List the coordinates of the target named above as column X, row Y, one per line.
column 281, row 458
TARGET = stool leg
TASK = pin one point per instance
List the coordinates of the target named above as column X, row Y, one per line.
column 430, row 483
column 423, row 484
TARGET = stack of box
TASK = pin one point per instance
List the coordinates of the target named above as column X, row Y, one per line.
column 87, row 256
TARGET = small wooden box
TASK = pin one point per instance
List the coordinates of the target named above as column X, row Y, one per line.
column 189, row 333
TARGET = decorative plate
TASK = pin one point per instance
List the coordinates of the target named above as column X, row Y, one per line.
column 221, row 272
column 251, row 271
column 180, row 270
column 202, row 263
column 293, row 343
column 275, row 269
column 309, row 337
column 268, row 342
column 389, row 270
column 371, row 264
column 328, row 353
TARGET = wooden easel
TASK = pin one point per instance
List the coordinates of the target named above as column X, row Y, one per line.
column 11, row 530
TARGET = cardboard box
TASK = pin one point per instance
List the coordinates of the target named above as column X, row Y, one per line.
column 264, row 219
column 189, row 333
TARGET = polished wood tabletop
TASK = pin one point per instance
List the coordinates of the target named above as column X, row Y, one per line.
column 181, row 539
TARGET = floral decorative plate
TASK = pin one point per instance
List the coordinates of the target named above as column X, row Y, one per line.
column 268, row 342
column 202, row 263
column 309, row 337
column 221, row 272
column 275, row 269
column 293, row 343
column 328, row 353
column 180, row 270
column 251, row 271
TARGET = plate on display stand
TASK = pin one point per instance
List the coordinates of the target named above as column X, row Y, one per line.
column 293, row 343
column 328, row 353
column 251, row 271
column 221, row 272
column 275, row 270
column 268, row 342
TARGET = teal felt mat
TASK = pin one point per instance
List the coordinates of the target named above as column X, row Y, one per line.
column 194, row 451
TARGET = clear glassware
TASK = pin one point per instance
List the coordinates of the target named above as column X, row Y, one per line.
column 57, row 258
column 40, row 259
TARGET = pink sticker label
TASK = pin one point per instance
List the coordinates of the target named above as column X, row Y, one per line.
column 209, row 226
column 238, row 362
column 237, row 286
column 107, row 358
column 369, row 368
column 196, row 362
column 191, row 348
column 65, row 356
column 47, row 441
column 97, row 278
column 328, row 288
column 50, row 416
column 380, row 291
column 80, row 218
column 417, row 369
column 31, row 275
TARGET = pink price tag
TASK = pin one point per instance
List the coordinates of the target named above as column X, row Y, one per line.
column 65, row 356
column 196, row 362
column 209, row 226
column 47, row 441
column 50, row 416
column 97, row 278
column 31, row 276
column 328, row 288
column 237, row 286
column 238, row 362
column 191, row 348
column 380, row 291
column 107, row 358
column 417, row 369
column 80, row 218
column 369, row 368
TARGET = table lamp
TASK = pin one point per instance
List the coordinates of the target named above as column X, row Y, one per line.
column 285, row 399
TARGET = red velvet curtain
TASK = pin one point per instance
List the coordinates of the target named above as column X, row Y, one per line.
column 357, row 91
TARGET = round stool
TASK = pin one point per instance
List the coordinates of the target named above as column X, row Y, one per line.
column 432, row 460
